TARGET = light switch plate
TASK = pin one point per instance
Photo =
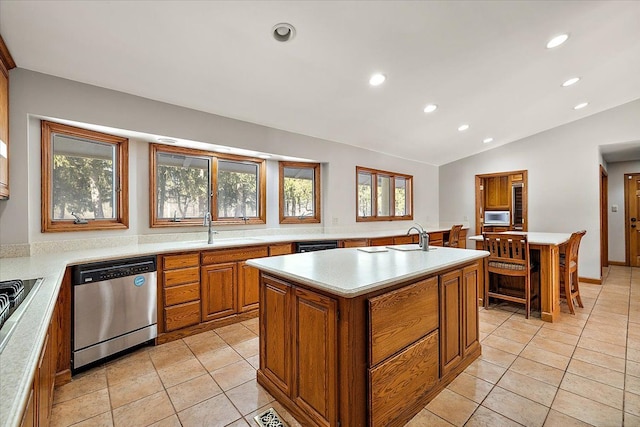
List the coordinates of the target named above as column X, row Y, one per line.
column 614, row 208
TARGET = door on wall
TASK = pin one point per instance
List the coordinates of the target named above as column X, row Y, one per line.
column 632, row 220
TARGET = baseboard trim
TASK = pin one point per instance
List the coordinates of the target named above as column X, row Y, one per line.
column 590, row 280
column 622, row 263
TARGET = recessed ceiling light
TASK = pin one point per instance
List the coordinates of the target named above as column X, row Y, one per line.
column 430, row 108
column 463, row 127
column 283, row 32
column 377, row 79
column 581, row 106
column 487, row 140
column 167, row 140
column 571, row 81
column 557, row 41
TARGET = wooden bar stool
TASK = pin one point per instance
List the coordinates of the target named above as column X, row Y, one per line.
column 569, row 281
column 454, row 236
column 508, row 256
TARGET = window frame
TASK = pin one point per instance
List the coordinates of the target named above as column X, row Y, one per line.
column 392, row 194
column 316, row 218
column 121, row 183
column 155, row 222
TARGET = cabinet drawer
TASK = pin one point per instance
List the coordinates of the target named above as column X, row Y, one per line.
column 184, row 275
column 181, row 261
column 282, row 249
column 403, row 240
column 381, row 241
column 232, row 255
column 398, row 382
column 183, row 315
column 400, row 317
column 358, row 243
column 182, row 293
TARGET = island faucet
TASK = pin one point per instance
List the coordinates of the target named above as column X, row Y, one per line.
column 207, row 223
column 423, row 237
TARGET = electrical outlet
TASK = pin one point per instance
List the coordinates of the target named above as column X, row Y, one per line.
column 466, row 218
column 334, row 221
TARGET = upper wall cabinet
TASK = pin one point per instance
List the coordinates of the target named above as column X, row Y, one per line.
column 6, row 63
column 497, row 191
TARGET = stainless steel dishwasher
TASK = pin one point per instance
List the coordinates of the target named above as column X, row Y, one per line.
column 114, row 307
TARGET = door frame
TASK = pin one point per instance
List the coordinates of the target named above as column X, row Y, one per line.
column 479, row 190
column 604, row 219
column 627, row 223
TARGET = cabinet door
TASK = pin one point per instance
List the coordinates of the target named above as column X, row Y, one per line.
column 218, row 288
column 248, row 287
column 4, row 133
column 471, row 282
column 44, row 393
column 451, row 299
column 29, row 414
column 315, row 356
column 498, row 192
column 275, row 332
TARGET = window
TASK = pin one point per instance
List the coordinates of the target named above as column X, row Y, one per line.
column 299, row 191
column 188, row 183
column 383, row 196
column 84, row 179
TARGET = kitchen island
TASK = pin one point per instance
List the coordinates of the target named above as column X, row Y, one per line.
column 356, row 338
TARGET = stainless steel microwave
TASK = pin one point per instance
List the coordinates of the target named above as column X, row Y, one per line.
column 497, row 218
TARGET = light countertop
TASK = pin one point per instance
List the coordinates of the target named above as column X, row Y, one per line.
column 352, row 272
column 536, row 238
column 19, row 358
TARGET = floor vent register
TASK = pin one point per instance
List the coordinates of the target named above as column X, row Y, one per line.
column 269, row 418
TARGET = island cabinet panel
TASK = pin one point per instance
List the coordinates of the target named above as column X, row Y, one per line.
column 29, row 414
column 314, row 356
column 219, row 290
column 400, row 317
column 248, row 287
column 472, row 283
column 275, row 333
column 395, row 383
column 451, row 320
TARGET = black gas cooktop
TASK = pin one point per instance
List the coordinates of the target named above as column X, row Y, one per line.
column 14, row 298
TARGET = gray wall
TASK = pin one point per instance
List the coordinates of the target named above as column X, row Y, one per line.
column 34, row 95
column 616, row 171
column 563, row 165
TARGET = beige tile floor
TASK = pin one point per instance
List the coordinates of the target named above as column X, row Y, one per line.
column 583, row 370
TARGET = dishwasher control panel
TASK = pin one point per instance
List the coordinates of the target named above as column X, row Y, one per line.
column 109, row 270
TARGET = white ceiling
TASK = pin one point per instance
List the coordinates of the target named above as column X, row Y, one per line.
column 483, row 62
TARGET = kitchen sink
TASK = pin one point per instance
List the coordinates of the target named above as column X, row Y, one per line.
column 409, row 247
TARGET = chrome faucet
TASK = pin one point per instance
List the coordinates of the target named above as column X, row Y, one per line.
column 423, row 237
column 207, row 223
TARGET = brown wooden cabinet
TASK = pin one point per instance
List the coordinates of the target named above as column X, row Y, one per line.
column 298, row 336
column 6, row 64
column 179, row 290
column 219, row 286
column 498, row 192
column 40, row 401
column 354, row 243
column 248, row 287
column 459, row 323
column 315, row 356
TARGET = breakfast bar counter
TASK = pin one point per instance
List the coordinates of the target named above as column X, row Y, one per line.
column 367, row 336
column 549, row 246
